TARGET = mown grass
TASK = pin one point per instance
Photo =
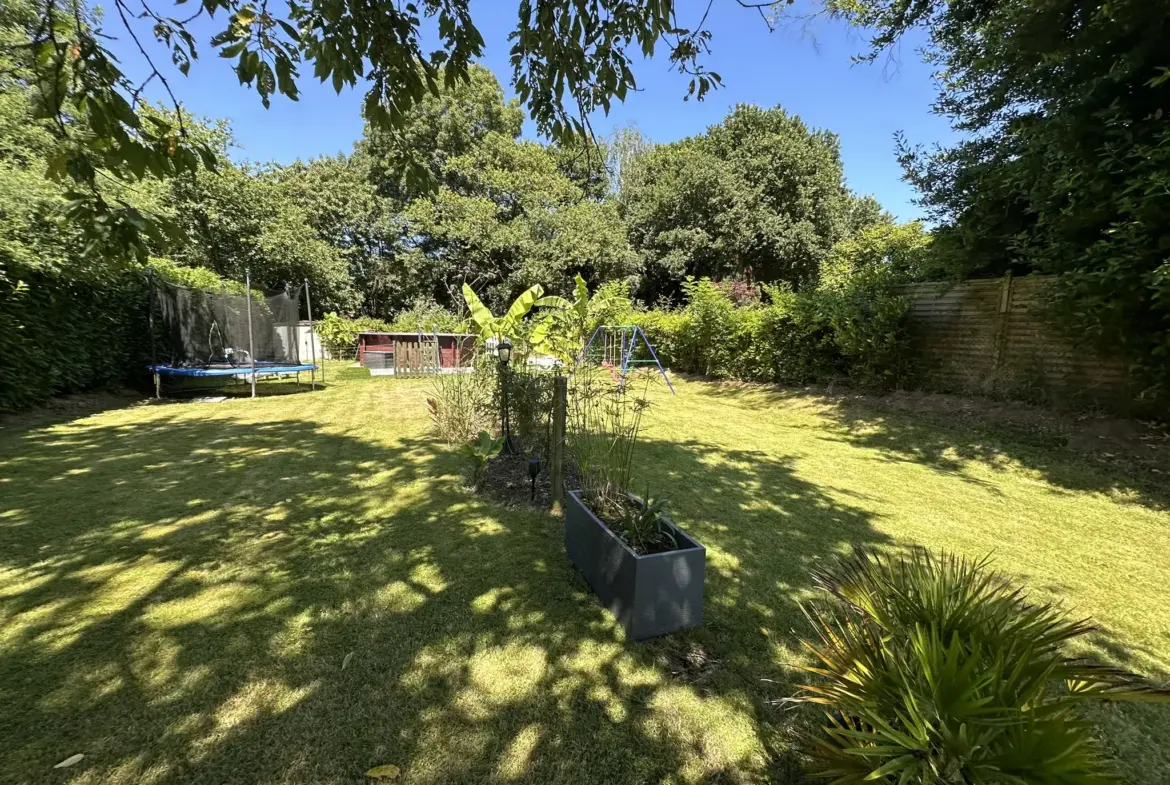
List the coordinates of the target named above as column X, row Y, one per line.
column 182, row 584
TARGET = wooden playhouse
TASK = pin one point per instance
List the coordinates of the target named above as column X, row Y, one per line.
column 415, row 353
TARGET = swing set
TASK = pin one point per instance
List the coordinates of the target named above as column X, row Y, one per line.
column 615, row 346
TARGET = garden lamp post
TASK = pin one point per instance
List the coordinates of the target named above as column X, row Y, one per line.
column 504, row 352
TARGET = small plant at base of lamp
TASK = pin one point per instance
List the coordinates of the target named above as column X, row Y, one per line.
column 482, row 450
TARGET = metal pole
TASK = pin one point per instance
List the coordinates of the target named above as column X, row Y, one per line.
column 657, row 362
column 312, row 345
column 150, row 321
column 251, row 349
column 560, row 407
column 505, row 424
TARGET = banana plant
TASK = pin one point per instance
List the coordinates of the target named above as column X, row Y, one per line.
column 489, row 326
column 563, row 330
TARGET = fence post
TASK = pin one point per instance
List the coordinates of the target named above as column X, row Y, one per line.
column 1001, row 325
column 560, row 407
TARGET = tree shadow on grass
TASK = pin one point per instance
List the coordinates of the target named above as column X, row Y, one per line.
column 948, row 441
column 225, row 601
column 764, row 529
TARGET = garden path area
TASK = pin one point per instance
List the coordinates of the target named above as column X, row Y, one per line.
column 299, row 588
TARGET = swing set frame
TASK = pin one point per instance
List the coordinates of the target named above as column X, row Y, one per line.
column 618, row 344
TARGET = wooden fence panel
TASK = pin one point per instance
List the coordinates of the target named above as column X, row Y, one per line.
column 992, row 337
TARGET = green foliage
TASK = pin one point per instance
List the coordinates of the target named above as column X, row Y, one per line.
column 238, row 217
column 759, row 196
column 427, row 317
column 1064, row 167
column 508, row 214
column 340, row 201
column 339, row 335
column 858, row 333
column 530, row 402
column 602, row 428
column 562, row 45
column 643, row 525
column 197, row 278
column 900, row 252
column 63, row 331
column 482, row 450
column 562, row 332
column 463, row 404
column 508, row 326
column 937, row 670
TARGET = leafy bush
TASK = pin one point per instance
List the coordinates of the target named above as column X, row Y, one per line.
column 426, row 316
column 857, row 333
column 938, row 670
column 339, row 335
column 703, row 345
column 898, row 251
column 869, row 323
column 195, row 277
column 463, row 404
column 664, row 330
column 481, row 450
column 530, row 402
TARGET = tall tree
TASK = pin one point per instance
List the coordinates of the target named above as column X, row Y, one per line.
column 240, row 217
column 342, row 205
column 569, row 59
column 758, row 196
column 1066, row 168
column 626, row 149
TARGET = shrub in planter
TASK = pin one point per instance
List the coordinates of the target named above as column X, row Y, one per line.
column 642, row 567
column 938, row 670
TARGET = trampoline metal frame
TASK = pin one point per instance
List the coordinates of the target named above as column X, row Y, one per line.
column 249, row 373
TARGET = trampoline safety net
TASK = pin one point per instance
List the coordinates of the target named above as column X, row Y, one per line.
column 200, row 329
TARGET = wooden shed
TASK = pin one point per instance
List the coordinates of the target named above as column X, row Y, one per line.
column 386, row 351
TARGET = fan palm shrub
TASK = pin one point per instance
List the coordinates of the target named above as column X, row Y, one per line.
column 936, row 669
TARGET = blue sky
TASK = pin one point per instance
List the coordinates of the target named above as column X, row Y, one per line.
column 807, row 71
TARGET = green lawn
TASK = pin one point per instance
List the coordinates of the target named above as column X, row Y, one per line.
column 182, row 586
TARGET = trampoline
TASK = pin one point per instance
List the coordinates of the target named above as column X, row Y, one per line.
column 230, row 334
column 244, row 372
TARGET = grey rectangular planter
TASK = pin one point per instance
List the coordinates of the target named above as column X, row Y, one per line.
column 650, row 595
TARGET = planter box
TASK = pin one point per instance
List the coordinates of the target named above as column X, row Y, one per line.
column 650, row 595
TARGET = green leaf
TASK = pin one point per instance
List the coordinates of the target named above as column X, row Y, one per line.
column 523, row 304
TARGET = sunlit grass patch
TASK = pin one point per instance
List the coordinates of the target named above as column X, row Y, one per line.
column 299, row 588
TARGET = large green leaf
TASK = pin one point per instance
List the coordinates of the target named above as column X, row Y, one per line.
column 479, row 312
column 552, row 301
column 523, row 304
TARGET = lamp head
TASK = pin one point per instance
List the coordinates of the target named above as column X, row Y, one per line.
column 534, row 466
column 504, row 350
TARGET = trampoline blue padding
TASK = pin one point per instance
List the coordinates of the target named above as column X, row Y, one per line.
column 262, row 369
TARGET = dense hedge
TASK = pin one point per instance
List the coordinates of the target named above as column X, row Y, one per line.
column 66, row 330
column 62, row 332
column 855, row 334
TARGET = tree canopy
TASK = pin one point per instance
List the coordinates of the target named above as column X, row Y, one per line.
column 569, row 59
column 1065, row 168
column 759, row 196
